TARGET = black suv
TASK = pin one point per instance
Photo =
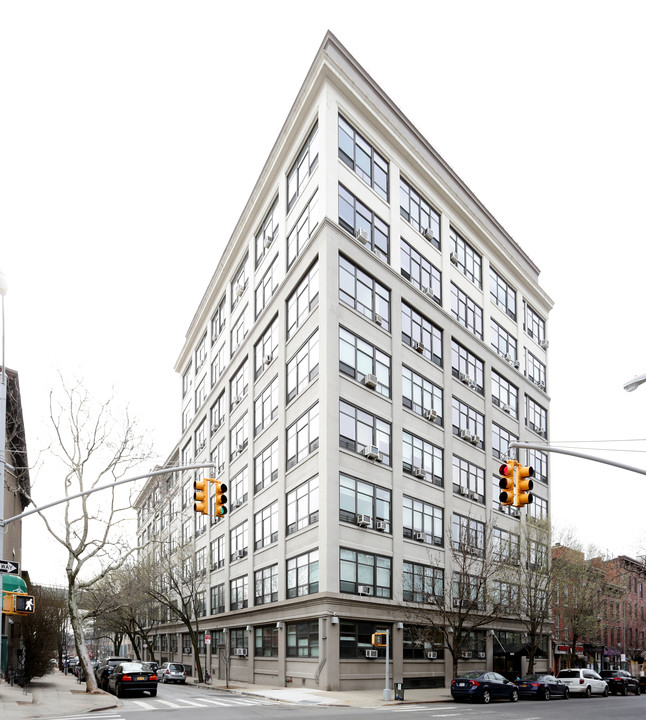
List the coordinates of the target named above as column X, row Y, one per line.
column 621, row 682
column 106, row 668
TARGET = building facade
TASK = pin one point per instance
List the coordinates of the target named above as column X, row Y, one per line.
column 370, row 343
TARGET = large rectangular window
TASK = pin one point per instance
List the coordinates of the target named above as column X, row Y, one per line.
column 267, row 233
column 267, row 286
column 217, row 413
column 422, row 396
column 239, row 436
column 303, row 639
column 468, row 535
column 423, row 522
column 535, row 417
column 304, row 166
column 266, row 585
column 466, row 367
column 419, row 213
column 422, row 458
column 359, row 220
column 363, row 293
column 303, row 436
column 218, row 320
column 505, row 546
column 500, row 439
column 502, row 294
column 356, row 637
column 303, row 366
column 421, row 334
column 266, row 641
column 364, row 362
column 504, row 394
column 239, row 542
column 359, row 155
column 303, row 574
column 238, row 595
column 364, row 503
column 217, row 556
column 535, row 370
column 422, row 583
column 239, row 488
column 538, row 460
column 504, row 343
column 303, row 230
column 266, row 348
column 266, row 407
column 266, row 526
column 239, row 282
column 420, row 272
column 239, row 384
column 266, row 467
column 468, row 423
column 303, row 300
column 466, row 258
column 365, row 574
column 466, row 311
column 218, row 599
column 364, row 433
column 303, row 505
column 468, row 479
column 533, row 324
column 239, row 331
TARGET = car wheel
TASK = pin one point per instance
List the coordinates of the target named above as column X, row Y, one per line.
column 117, row 690
column 486, row 696
column 546, row 694
column 605, row 691
column 624, row 691
column 588, row 692
column 514, row 695
column 638, row 690
column 567, row 693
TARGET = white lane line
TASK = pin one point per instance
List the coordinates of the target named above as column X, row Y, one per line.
column 143, row 704
column 165, row 702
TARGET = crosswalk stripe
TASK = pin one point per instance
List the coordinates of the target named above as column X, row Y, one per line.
column 224, row 703
column 189, row 702
column 166, row 702
column 144, row 704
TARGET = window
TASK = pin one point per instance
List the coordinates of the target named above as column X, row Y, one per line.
column 363, row 293
column 465, row 258
column 217, row 553
column 303, row 366
column 359, row 155
column 187, row 454
column 266, row 586
column 354, row 216
column 218, row 456
column 537, row 510
column 304, row 166
column 356, row 637
column 303, row 639
column 239, row 488
column 266, row 407
column 238, row 597
column 360, row 430
column 200, row 393
column 266, row 467
column 535, row 417
column 420, row 272
column 303, row 229
column 239, row 542
column 187, row 531
column 466, row 367
column 465, row 311
column 266, row 641
column 303, row 436
column 505, row 546
column 303, row 574
column 303, row 300
column 365, row 573
column 362, row 498
column 364, row 362
column 200, row 561
column 266, row 348
column 217, row 599
column 239, row 436
column 238, row 638
column 502, row 294
column 533, row 324
column 505, row 596
column 239, row 282
column 418, row 212
column 239, row 384
column 422, row 517
column 303, row 505
column 187, row 379
column 468, row 479
column 200, row 606
column 468, row 535
column 239, row 331
column 218, row 320
column 535, row 370
column 418, row 642
column 504, row 394
column 504, row 343
column 187, row 416
column 500, row 439
column 267, row 286
column 267, row 233
column 216, row 413
column 266, row 526
column 422, row 396
column 218, row 364
column 468, row 591
column 421, row 334
column 200, row 437
column 422, row 583
column 468, row 423
column 422, row 458
column 200, row 354
column 537, row 555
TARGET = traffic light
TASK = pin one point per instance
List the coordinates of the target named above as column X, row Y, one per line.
column 523, row 485
column 220, row 498
column 506, row 483
column 379, row 639
column 24, row 604
column 201, row 496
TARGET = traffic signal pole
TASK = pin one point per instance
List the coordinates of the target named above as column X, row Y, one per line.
column 574, row 453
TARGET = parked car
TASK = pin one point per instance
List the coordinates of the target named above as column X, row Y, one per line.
column 483, row 685
column 621, row 682
column 584, row 682
column 544, row 687
column 129, row 677
column 172, row 672
column 106, row 666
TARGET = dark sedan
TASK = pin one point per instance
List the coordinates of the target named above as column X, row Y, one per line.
column 543, row 687
column 483, row 685
column 621, row 682
column 133, row 677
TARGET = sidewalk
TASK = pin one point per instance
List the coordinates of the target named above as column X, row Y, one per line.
column 58, row 694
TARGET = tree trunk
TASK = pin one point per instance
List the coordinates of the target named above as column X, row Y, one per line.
column 77, row 628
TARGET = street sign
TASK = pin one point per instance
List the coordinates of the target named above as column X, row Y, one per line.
column 9, row 566
column 207, row 639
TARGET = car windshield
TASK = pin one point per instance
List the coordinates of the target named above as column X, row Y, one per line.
column 471, row 675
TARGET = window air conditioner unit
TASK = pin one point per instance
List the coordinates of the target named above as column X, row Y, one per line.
column 362, row 236
column 545, row 344
column 242, row 652
column 427, row 291
column 517, row 365
column 475, row 439
column 240, row 448
column 237, row 400
column 419, row 536
column 430, row 414
column 239, row 289
column 268, row 359
column 267, row 242
column 454, row 258
column 541, row 430
column 419, row 346
column 465, row 378
column 428, row 234
column 456, row 602
column 464, row 491
column 371, row 452
column 467, row 655
column 364, row 520
column 418, row 472
column 372, row 653
column 507, row 357
column 515, row 513
column 541, row 384
column 364, row 589
column 431, row 655
column 370, row 381
column 465, row 434
column 381, row 525
column 482, row 655
column 378, row 320
column 186, row 650
column 473, row 495
column 506, row 408
column 240, row 554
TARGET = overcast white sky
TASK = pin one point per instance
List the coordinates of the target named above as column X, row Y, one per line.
column 131, row 134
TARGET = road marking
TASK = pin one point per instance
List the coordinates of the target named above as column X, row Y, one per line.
column 144, row 704
column 166, row 702
column 189, row 702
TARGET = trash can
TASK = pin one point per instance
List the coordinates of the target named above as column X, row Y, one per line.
column 399, row 691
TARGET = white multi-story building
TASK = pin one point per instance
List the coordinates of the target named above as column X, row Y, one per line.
column 370, row 342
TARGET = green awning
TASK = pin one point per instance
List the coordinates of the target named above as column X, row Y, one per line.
column 13, row 583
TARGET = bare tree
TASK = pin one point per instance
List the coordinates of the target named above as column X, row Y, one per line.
column 93, row 445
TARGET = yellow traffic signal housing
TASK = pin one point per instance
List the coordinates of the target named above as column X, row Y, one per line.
column 379, row 639
column 18, row 603
column 506, row 483
column 523, row 485
column 201, row 496
column 220, row 498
